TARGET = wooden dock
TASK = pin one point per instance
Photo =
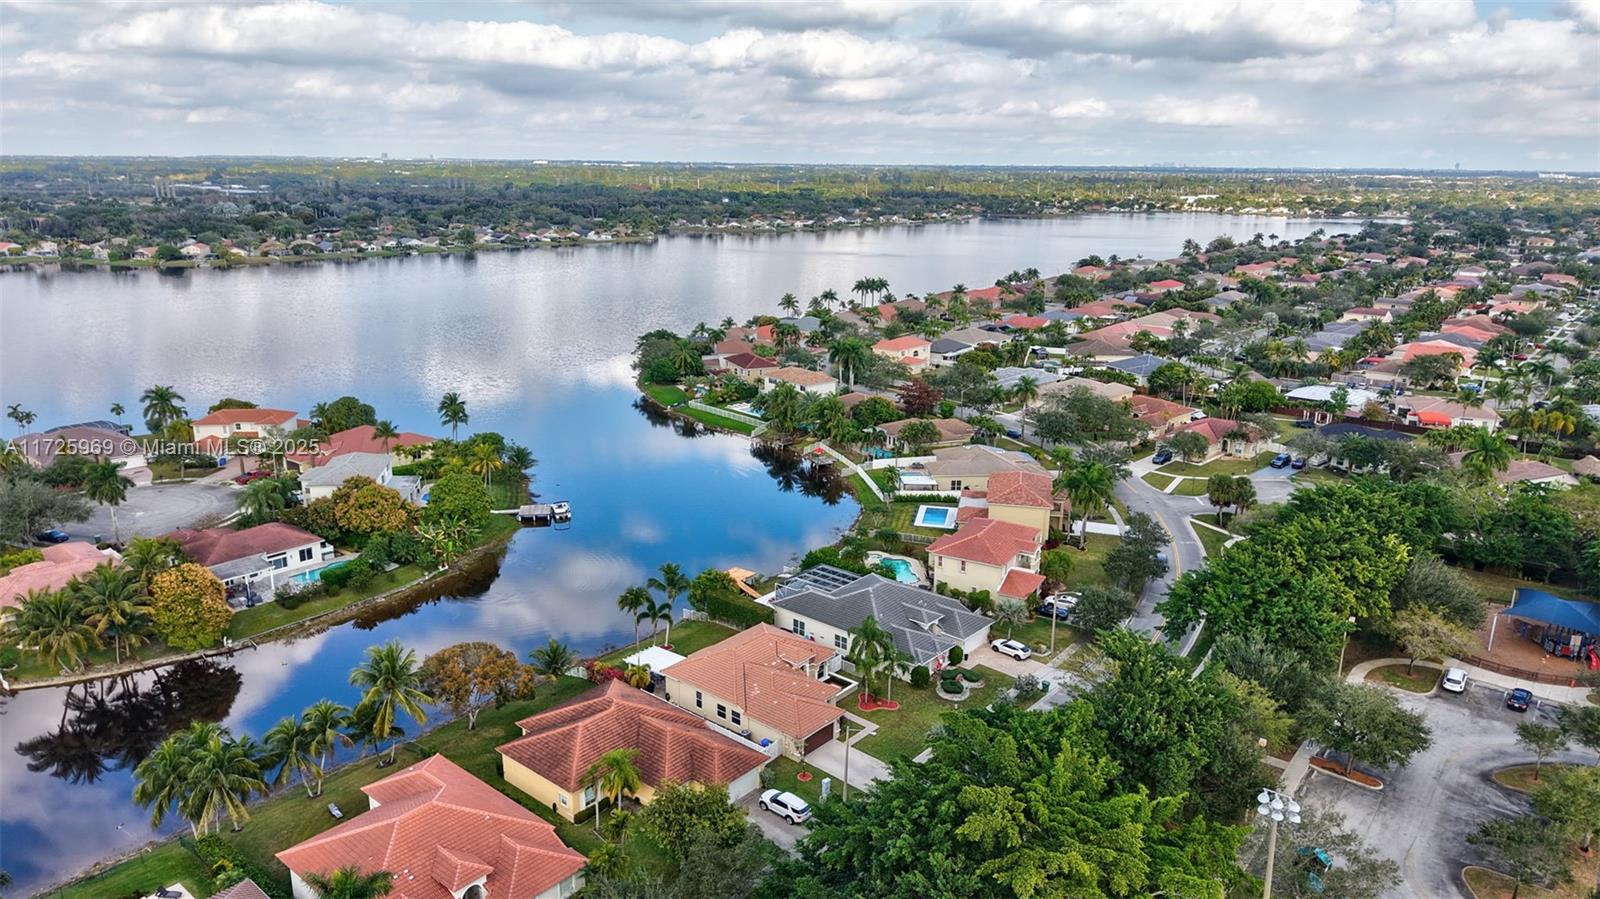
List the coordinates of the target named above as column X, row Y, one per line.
column 545, row 513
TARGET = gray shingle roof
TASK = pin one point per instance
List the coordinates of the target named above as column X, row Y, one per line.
column 924, row 624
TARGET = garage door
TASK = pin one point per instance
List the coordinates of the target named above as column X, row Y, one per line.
column 744, row 786
column 819, row 738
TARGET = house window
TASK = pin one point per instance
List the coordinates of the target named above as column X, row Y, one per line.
column 955, row 485
column 840, row 641
column 963, row 564
column 699, row 701
column 279, row 562
column 722, row 710
column 306, row 554
column 736, row 718
column 799, row 627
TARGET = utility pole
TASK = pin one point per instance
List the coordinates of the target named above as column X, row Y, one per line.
column 845, row 725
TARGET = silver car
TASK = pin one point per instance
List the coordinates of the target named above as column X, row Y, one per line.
column 1455, row 680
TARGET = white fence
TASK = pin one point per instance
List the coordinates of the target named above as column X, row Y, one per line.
column 750, row 420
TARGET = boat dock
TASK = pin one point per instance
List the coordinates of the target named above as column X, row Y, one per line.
column 545, row 513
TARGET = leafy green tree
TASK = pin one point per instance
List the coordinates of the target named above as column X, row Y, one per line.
column 28, row 506
column 1188, row 446
column 391, row 683
column 1542, row 740
column 265, row 499
column 1102, row 607
column 203, row 773
column 1571, row 800
column 1528, row 848
column 1426, row 634
column 467, row 677
column 1582, row 724
column 1056, row 566
column 1358, row 871
column 1136, row 558
column 458, row 495
column 874, row 411
column 345, row 413
column 1429, row 583
column 917, row 436
column 189, row 606
column 1365, row 722
column 680, row 813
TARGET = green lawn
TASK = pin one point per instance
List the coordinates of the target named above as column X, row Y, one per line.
column 904, row 732
column 717, row 421
column 1219, row 466
column 784, row 771
column 143, row 874
column 1088, row 565
column 1036, row 633
column 1421, row 680
column 1317, row 476
column 687, row 637
column 1211, row 539
column 1521, row 777
column 1191, row 487
column 508, row 493
column 666, row 394
column 1497, row 588
column 1157, row 480
column 899, row 516
column 268, row 615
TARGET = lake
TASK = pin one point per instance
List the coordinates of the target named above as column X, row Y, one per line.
column 538, row 344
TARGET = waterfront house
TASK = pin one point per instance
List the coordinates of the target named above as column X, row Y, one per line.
column 97, row 440
column 62, row 563
column 323, row 480
column 910, row 350
column 970, row 467
column 559, row 744
column 443, row 834
column 803, row 379
column 1020, row 497
column 213, row 431
column 256, row 561
column 952, row 432
column 771, row 686
column 361, row 439
column 990, row 554
column 748, row 365
column 827, row 605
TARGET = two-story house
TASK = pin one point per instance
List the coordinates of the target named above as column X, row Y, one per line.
column 990, row 554
column 911, row 351
column 323, row 480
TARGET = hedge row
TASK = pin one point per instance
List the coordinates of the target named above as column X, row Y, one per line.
column 221, row 856
column 736, row 609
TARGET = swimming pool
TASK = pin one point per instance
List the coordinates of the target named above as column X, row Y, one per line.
column 936, row 517
column 314, row 575
column 903, row 572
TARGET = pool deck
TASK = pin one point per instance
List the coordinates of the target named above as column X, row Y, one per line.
column 917, row 568
column 946, row 522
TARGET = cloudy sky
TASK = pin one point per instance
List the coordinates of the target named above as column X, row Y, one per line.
column 1414, row 83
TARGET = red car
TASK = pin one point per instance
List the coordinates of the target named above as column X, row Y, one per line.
column 252, row 476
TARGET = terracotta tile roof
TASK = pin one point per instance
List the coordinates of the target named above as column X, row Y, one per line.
column 214, row 546
column 244, row 889
column 1021, row 488
column 435, row 805
column 770, row 674
column 949, row 428
column 901, row 344
column 1167, row 284
column 731, row 345
column 61, row 563
column 987, row 540
column 560, row 744
column 749, row 361
column 1214, row 430
column 1153, row 410
column 1027, row 322
column 360, row 439
column 247, row 416
column 803, row 377
column 1020, row 584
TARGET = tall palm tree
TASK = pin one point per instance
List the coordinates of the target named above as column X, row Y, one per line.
column 655, row 612
column 325, row 722
column 520, row 459
column 112, row 602
column 672, row 582
column 453, row 412
column 385, row 431
column 104, row 483
column 117, row 411
column 349, row 883
column 159, row 780
column 632, row 601
column 553, row 659
column 790, row 304
column 850, row 357
column 52, row 623
column 149, row 556
column 871, row 651
column 1485, row 454
column 1011, row 612
column 289, row 748
column 264, row 499
column 392, row 683
column 1025, row 392
column 21, row 416
column 613, row 776
column 223, row 774
column 485, row 461
column 162, row 406
column 319, row 414
column 1090, row 486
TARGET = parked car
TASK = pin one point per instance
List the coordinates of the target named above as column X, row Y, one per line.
column 1048, row 609
column 1012, row 648
column 1014, row 433
column 54, row 535
column 1298, row 463
column 786, row 805
column 1455, row 680
column 1519, row 699
column 1281, row 460
column 249, row 476
column 1162, row 456
column 1304, row 423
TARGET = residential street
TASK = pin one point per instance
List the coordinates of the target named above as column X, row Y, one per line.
column 159, row 508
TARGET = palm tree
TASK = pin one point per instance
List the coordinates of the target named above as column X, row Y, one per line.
column 52, row 623
column 790, row 304
column 319, row 414
column 871, row 648
column 1485, row 454
column 21, row 416
column 112, row 603
column 632, row 601
column 349, row 883
column 1013, row 612
column 222, row 775
column 158, row 781
column 672, row 582
column 613, row 775
column 392, row 684
column 149, row 556
column 1090, row 486
column 553, row 659
column 324, row 723
column 117, row 411
column 485, row 461
column 289, row 748
column 850, row 357
column 264, row 499
column 654, row 612
column 452, row 412
column 162, row 406
column 519, row 459
column 104, row 483
column 1025, row 392
column 385, row 431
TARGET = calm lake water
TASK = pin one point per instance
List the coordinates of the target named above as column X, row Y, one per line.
column 538, row 343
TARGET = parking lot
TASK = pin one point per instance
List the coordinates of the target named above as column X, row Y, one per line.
column 1422, row 817
column 159, row 508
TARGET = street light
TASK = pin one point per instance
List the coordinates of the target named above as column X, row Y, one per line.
column 1276, row 808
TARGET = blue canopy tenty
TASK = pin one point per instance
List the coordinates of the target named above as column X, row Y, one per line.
column 1537, row 605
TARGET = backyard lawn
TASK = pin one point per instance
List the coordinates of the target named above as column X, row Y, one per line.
column 687, row 637
column 666, row 394
column 898, row 516
column 268, row 615
column 904, row 732
column 1218, row 466
column 1088, row 565
column 143, row 874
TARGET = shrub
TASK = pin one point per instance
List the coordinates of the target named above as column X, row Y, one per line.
column 359, row 572
column 957, row 654
column 18, row 557
column 830, row 555
column 970, row 676
column 920, row 676
column 952, row 687
column 735, row 609
column 336, row 577
column 220, row 855
column 189, row 606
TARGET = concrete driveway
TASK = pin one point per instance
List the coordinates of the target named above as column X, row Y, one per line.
column 1422, row 817
column 780, row 832
column 1005, row 664
column 159, row 508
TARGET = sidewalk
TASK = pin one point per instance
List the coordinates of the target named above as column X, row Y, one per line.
column 1550, row 692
